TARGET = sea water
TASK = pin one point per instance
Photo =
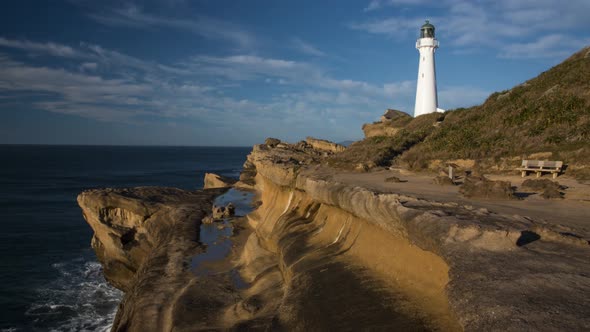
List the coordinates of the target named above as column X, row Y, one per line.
column 49, row 277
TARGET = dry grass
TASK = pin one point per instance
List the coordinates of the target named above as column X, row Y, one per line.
column 549, row 113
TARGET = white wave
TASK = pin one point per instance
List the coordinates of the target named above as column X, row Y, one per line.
column 78, row 300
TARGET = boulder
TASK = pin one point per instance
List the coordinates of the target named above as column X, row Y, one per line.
column 482, row 187
column 208, row 220
column 391, row 114
column 272, row 142
column 394, row 179
column 220, row 212
column 213, row 180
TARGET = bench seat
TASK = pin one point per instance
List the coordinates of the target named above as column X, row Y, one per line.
column 540, row 166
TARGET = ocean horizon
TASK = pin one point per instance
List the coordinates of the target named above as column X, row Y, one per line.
column 50, row 277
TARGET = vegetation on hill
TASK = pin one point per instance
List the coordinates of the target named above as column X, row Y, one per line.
column 548, row 114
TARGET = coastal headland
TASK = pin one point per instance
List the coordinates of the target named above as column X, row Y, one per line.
column 320, row 253
column 373, row 236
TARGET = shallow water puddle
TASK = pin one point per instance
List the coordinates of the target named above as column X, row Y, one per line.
column 217, row 237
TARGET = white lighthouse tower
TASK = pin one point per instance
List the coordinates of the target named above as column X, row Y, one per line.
column 426, row 98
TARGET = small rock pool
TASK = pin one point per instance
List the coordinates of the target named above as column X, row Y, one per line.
column 217, row 236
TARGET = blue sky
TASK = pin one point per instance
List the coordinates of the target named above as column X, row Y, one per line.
column 215, row 72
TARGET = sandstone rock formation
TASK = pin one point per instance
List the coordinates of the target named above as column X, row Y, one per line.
column 272, row 142
column 484, row 269
column 392, row 115
column 324, row 255
column 324, row 145
column 220, row 212
column 143, row 239
column 213, row 180
column 390, row 124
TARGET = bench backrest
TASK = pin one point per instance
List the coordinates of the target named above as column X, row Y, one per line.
column 542, row 163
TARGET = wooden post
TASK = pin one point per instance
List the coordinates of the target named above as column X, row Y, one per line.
column 451, row 173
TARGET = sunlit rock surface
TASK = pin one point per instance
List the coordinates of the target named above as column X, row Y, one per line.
column 318, row 254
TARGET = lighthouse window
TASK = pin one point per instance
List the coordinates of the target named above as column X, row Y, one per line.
column 422, row 74
column 423, row 58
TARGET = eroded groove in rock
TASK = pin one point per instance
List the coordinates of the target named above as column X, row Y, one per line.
column 450, row 267
column 343, row 272
column 317, row 254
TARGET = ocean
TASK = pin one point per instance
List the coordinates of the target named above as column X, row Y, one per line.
column 49, row 277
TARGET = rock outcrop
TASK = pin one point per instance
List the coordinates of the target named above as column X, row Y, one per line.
column 144, row 238
column 324, row 255
column 391, row 122
column 455, row 267
column 213, row 180
column 324, row 145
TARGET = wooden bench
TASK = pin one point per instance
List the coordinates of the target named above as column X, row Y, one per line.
column 539, row 166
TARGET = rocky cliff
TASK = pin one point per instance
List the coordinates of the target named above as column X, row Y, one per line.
column 452, row 267
column 319, row 254
column 144, row 238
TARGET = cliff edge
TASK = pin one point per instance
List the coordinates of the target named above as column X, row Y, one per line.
column 456, row 266
column 323, row 252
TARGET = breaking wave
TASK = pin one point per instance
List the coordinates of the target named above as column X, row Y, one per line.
column 80, row 299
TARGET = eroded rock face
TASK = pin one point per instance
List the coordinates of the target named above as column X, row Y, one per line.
column 495, row 272
column 324, row 255
column 324, row 145
column 391, row 122
column 213, row 180
column 143, row 238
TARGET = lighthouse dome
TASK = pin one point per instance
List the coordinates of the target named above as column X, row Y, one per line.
column 427, row 30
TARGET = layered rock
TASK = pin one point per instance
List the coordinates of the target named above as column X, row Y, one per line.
column 391, row 122
column 144, row 238
column 326, row 255
column 456, row 267
column 324, row 145
column 213, row 180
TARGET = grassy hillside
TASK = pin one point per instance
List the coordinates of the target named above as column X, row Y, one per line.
column 550, row 114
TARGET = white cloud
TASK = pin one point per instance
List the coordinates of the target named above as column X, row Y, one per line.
column 92, row 54
column 549, row 46
column 378, row 4
column 397, row 27
column 461, row 96
column 504, row 25
column 301, row 74
column 49, row 47
column 111, row 86
column 88, row 66
column 306, row 48
column 133, row 16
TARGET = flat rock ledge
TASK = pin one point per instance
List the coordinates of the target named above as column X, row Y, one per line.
column 144, row 238
column 213, row 180
column 329, row 255
column 506, row 272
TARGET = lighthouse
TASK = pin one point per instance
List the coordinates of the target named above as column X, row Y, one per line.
column 426, row 98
